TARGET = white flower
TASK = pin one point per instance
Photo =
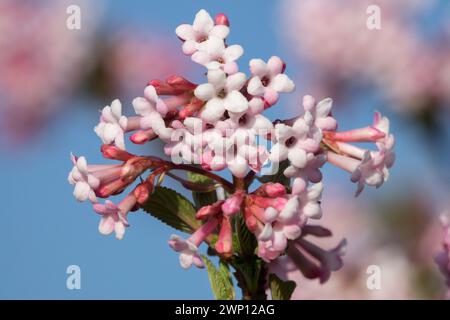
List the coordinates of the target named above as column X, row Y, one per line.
column 310, row 201
column 188, row 252
column 268, row 79
column 221, row 94
column 112, row 219
column 216, row 55
column 371, row 171
column 201, row 30
column 84, row 182
column 112, row 125
column 294, row 143
column 320, row 113
column 187, row 141
column 148, row 108
column 387, row 143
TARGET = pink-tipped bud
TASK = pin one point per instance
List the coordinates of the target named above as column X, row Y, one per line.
column 180, row 83
column 111, row 188
column 142, row 192
column 367, row 134
column 209, row 211
column 112, row 152
column 250, row 219
column 274, row 190
column 143, row 136
column 277, row 203
column 309, row 102
column 163, row 89
column 232, row 205
column 222, row 19
column 224, row 244
column 191, row 108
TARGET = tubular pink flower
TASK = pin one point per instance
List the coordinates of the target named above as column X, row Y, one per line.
column 313, row 261
column 367, row 134
column 232, row 205
column 112, row 152
column 88, row 178
column 114, row 217
column 224, row 244
column 210, row 210
column 189, row 248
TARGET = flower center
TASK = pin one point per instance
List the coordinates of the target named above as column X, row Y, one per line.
column 290, row 142
column 265, row 81
column 243, row 120
column 222, row 94
column 203, row 39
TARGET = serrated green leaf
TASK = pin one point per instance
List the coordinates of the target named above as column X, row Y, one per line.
column 173, row 209
column 278, row 177
column 246, row 240
column 225, row 269
column 220, row 280
column 281, row 290
column 202, row 199
column 248, row 273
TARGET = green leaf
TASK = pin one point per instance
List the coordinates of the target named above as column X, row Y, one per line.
column 246, row 240
column 202, row 199
column 220, row 280
column 277, row 177
column 248, row 274
column 173, row 209
column 225, row 269
column 281, row 290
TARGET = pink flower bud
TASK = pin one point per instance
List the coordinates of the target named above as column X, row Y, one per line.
column 208, row 211
column 222, row 19
column 143, row 136
column 224, row 244
column 274, row 190
column 232, row 205
column 112, row 152
column 142, row 192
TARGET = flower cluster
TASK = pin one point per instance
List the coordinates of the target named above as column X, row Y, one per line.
column 220, row 125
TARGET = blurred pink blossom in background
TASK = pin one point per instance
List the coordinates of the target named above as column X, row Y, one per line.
column 133, row 58
column 411, row 71
column 41, row 61
column 405, row 272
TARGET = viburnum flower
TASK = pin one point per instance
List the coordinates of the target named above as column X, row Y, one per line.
column 366, row 166
column 114, row 217
column 189, row 248
column 203, row 28
column 220, row 125
column 112, row 125
column 222, row 94
column 269, row 80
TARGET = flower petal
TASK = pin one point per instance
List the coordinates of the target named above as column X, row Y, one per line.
column 235, row 102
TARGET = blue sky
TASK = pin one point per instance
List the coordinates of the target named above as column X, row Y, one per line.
column 44, row 230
